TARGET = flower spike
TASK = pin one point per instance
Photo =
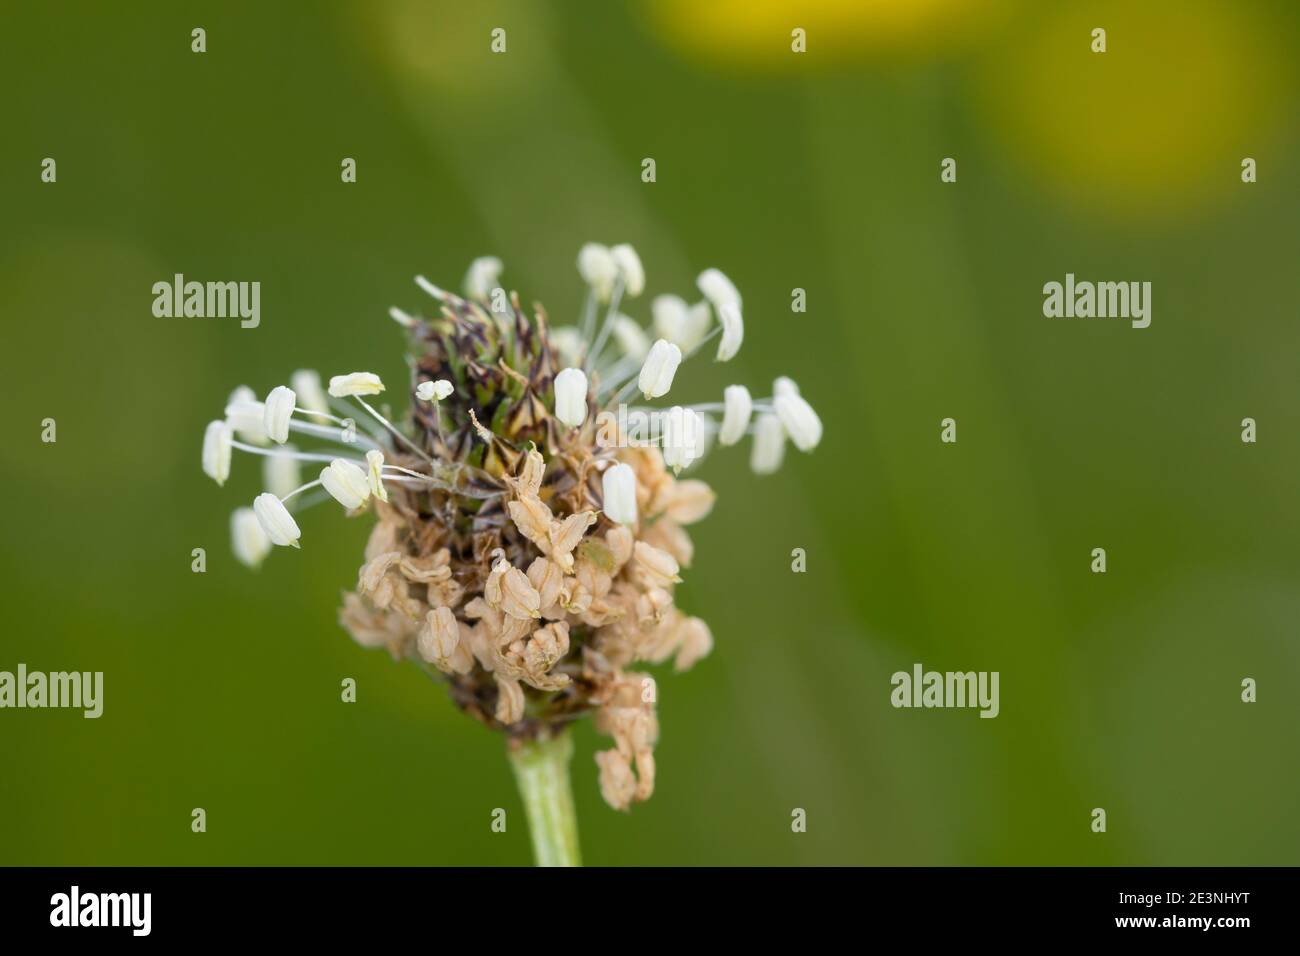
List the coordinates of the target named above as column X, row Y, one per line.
column 529, row 527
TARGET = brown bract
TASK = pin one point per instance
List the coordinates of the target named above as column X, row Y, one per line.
column 506, row 580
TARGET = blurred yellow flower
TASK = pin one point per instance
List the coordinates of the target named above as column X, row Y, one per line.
column 757, row 33
column 1159, row 122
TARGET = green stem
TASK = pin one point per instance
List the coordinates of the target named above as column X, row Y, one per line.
column 542, row 772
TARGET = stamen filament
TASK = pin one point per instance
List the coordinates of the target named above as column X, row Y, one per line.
column 315, row 414
column 432, row 289
column 365, row 424
column 625, row 391
column 310, row 484
column 606, row 326
column 407, row 471
column 312, row 500
column 761, row 405
column 717, row 330
column 281, row 453
column 588, row 320
column 393, row 429
column 441, row 485
column 333, row 434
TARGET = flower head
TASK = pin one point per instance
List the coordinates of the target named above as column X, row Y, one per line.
column 524, row 549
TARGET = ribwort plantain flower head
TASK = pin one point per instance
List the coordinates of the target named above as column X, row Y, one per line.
column 527, row 541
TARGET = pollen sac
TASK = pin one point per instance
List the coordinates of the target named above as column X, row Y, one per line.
column 659, row 368
column 277, row 411
column 571, row 397
column 276, row 520
column 346, row 483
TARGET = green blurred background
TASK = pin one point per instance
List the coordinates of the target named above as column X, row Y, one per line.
column 818, row 171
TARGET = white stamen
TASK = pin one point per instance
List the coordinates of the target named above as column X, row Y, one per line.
column 598, row 269
column 798, row 418
column 567, row 342
column 434, row 391
column 346, row 483
column 277, row 411
column 482, row 277
column 619, row 486
column 281, row 472
column 247, row 539
column 685, row 326
column 401, row 318
column 660, row 366
column 697, row 325
column 244, row 413
column 216, row 451
column 629, row 267
column 718, row 289
column 355, row 383
column 392, row 429
column 735, row 418
column 571, row 397
column 375, row 474
column 631, row 338
column 431, row 289
column 668, row 316
column 683, row 438
column 769, row 445
column 733, row 331
column 784, row 386
column 276, row 520
column 311, row 395
column 708, row 429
